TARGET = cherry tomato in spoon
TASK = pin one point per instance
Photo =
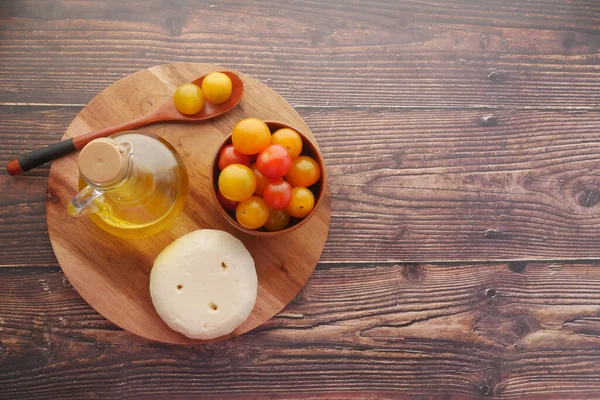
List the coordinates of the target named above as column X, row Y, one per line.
column 216, row 87
column 188, row 99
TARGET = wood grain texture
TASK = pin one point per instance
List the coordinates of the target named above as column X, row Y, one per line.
column 111, row 273
column 407, row 185
column 409, row 100
column 408, row 54
column 362, row 330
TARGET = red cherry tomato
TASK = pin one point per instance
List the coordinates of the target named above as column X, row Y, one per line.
column 274, row 161
column 226, row 203
column 277, row 194
column 230, row 155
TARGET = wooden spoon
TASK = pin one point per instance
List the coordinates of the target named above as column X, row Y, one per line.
column 166, row 112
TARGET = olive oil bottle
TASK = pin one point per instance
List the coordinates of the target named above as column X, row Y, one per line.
column 132, row 185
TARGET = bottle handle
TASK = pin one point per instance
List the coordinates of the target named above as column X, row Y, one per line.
column 84, row 202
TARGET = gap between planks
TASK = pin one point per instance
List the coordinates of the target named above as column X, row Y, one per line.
column 325, row 264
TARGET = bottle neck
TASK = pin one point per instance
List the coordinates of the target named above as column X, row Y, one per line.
column 130, row 173
column 136, row 185
column 136, row 178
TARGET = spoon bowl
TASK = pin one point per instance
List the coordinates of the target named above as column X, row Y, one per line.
column 166, row 112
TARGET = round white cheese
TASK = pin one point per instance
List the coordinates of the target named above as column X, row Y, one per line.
column 204, row 284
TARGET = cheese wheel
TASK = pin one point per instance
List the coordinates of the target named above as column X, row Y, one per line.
column 204, row 284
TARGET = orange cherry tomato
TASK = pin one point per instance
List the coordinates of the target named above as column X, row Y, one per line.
column 250, row 136
column 302, row 202
column 252, row 213
column 237, row 182
column 230, row 155
column 303, row 172
column 188, row 99
column 289, row 139
column 278, row 220
column 261, row 180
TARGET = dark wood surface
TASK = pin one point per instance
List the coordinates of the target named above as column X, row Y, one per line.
column 461, row 140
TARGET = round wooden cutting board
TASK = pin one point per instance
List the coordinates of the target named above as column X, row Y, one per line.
column 111, row 273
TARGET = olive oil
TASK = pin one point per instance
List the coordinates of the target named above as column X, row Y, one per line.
column 148, row 197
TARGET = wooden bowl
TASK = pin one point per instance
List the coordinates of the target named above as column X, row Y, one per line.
column 308, row 149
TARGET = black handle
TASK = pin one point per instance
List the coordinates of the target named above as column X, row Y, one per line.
column 45, row 154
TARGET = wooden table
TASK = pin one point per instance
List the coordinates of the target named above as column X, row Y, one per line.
column 462, row 143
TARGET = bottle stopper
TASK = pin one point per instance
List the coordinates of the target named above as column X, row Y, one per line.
column 101, row 161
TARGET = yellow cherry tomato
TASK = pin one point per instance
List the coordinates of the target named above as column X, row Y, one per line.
column 251, row 136
column 252, row 213
column 237, row 182
column 302, row 202
column 304, row 172
column 188, row 99
column 216, row 87
column 289, row 139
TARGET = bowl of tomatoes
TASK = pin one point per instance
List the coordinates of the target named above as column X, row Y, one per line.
column 268, row 177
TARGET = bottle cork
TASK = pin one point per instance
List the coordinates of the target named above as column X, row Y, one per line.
column 100, row 161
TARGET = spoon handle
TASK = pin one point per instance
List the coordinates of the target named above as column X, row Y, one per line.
column 41, row 156
column 25, row 162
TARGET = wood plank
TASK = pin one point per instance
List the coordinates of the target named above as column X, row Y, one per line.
column 500, row 170
column 23, row 230
column 407, row 185
column 435, row 186
column 507, row 331
column 580, row 15
column 408, row 54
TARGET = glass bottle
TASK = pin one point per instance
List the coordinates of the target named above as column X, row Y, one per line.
column 132, row 185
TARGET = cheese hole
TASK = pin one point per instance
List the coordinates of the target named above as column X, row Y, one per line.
column 223, row 265
column 213, row 306
column 179, row 287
